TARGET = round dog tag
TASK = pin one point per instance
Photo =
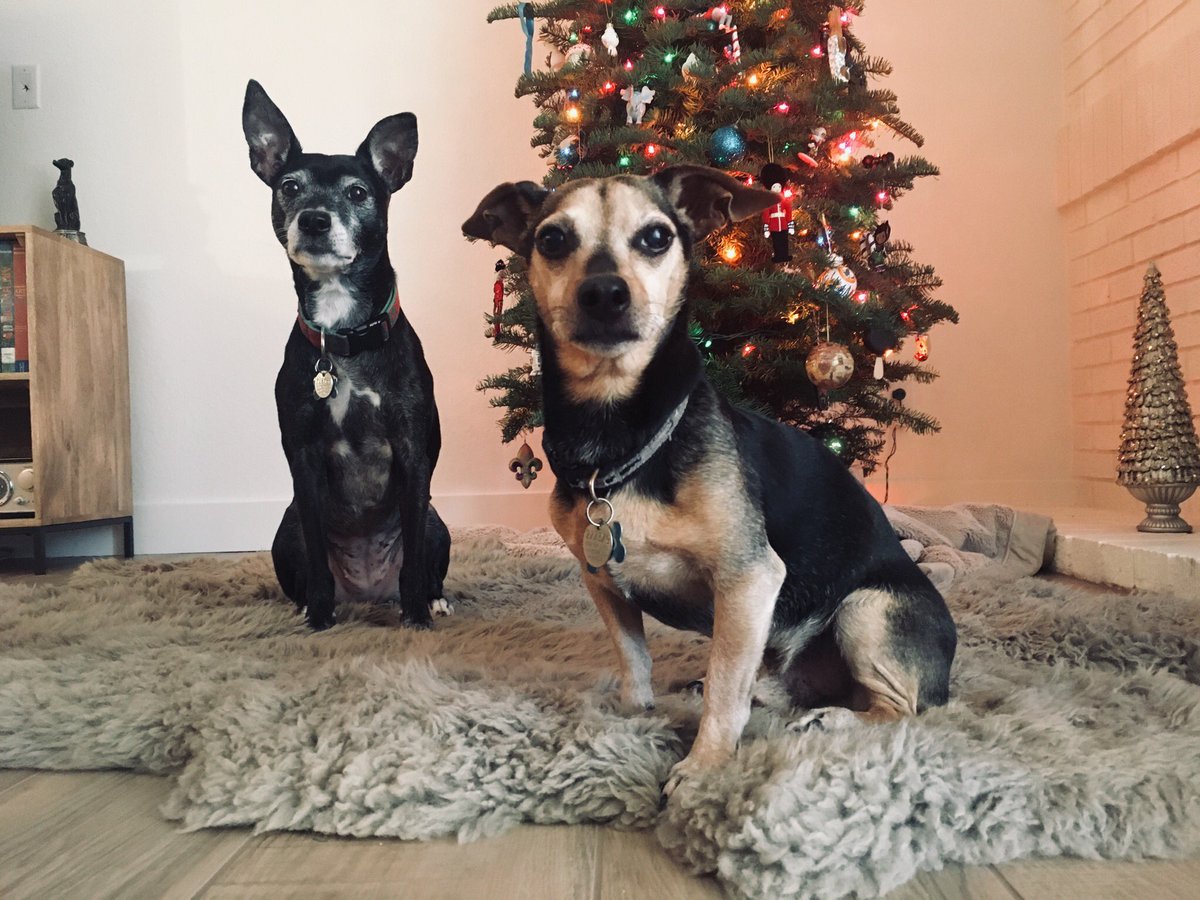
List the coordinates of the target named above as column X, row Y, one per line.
column 323, row 384
column 598, row 545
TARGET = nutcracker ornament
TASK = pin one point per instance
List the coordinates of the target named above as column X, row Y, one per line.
column 497, row 300
column 777, row 220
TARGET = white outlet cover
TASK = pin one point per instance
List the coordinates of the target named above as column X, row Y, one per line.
column 26, row 92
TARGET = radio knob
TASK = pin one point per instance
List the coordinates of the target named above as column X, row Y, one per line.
column 25, row 479
column 6, row 487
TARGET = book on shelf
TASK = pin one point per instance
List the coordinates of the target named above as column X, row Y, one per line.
column 8, row 312
column 20, row 308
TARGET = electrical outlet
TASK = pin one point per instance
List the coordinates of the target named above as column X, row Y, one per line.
column 26, row 91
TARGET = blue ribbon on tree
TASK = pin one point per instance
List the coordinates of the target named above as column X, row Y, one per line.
column 526, row 16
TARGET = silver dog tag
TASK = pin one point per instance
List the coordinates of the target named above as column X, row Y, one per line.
column 323, row 384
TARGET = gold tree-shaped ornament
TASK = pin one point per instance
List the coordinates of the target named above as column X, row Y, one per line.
column 1159, row 459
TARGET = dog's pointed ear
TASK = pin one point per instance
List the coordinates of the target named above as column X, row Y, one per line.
column 707, row 199
column 390, row 149
column 504, row 215
column 268, row 134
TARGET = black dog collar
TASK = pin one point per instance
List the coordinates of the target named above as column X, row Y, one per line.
column 352, row 341
column 580, row 478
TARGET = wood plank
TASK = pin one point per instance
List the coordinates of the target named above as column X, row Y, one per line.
column 79, row 381
column 530, row 862
column 10, row 778
column 1085, row 879
column 631, row 865
column 955, row 882
column 100, row 834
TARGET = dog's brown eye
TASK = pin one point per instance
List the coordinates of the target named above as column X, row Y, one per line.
column 357, row 193
column 553, row 243
column 653, row 240
column 290, row 188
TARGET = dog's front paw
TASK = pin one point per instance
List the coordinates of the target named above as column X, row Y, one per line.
column 440, row 608
column 637, row 698
column 681, row 771
column 320, row 619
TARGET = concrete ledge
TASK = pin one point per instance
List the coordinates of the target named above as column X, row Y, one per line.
column 1106, row 547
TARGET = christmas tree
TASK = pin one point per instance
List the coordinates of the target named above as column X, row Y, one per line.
column 1158, row 442
column 773, row 91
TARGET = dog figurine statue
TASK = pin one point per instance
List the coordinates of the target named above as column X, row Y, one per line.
column 355, row 398
column 676, row 504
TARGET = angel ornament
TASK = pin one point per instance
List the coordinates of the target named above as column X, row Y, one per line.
column 636, row 101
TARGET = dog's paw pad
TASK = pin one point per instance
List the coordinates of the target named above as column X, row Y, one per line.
column 441, row 607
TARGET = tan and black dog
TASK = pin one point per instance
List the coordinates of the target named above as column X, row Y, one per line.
column 729, row 524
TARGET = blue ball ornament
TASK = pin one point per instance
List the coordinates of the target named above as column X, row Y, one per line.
column 727, row 145
column 567, row 156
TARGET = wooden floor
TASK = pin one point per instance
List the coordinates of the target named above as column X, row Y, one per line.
column 99, row 834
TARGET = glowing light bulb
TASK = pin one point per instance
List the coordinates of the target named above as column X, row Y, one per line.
column 609, row 87
column 787, row 192
column 629, row 65
column 573, row 38
column 630, row 16
column 883, row 197
column 782, row 108
column 793, row 317
column 854, row 212
column 624, row 161
column 748, row 349
column 651, row 150
column 731, row 252
column 856, row 235
column 862, row 296
column 817, row 51
column 669, row 58
column 845, row 18
column 752, row 79
column 572, row 113
column 660, row 12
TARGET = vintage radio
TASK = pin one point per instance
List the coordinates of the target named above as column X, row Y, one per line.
column 16, row 489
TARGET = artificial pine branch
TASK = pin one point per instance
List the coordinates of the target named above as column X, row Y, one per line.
column 754, row 321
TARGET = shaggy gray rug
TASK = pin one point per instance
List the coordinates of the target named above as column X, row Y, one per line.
column 1074, row 728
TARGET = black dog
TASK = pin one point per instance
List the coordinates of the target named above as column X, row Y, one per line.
column 676, row 504
column 355, row 398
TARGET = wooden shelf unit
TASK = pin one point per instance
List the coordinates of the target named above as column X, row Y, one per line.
column 69, row 414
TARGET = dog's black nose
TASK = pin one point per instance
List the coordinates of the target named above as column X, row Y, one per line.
column 314, row 221
column 604, row 297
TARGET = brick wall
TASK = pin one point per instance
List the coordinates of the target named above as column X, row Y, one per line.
column 1129, row 192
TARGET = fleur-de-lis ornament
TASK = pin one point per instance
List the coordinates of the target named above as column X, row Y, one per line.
column 525, row 465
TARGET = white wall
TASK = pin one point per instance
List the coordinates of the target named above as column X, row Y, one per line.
column 982, row 82
column 145, row 95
